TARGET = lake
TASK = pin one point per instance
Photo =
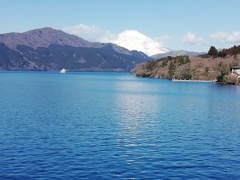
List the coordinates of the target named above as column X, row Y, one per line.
column 116, row 126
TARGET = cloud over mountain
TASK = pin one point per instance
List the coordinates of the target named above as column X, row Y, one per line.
column 192, row 39
column 91, row 33
column 218, row 37
column 222, row 37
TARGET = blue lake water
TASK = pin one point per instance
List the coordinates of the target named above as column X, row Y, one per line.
column 116, row 126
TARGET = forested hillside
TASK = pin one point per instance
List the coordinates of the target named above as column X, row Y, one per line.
column 215, row 65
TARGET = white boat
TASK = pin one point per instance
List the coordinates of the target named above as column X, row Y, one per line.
column 63, row 70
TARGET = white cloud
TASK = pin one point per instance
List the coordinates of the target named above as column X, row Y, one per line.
column 95, row 34
column 222, row 37
column 107, row 37
column 219, row 38
column 90, row 33
column 163, row 39
column 192, row 39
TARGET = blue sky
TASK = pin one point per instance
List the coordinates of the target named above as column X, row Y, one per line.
column 192, row 25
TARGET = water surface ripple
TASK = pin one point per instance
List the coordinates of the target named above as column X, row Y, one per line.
column 116, row 126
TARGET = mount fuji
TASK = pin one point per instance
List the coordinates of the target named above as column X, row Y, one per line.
column 134, row 40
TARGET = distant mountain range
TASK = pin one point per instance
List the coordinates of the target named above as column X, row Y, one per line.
column 52, row 50
column 177, row 53
column 134, row 40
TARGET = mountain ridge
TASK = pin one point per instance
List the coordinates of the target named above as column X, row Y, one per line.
column 177, row 53
column 42, row 37
column 33, row 50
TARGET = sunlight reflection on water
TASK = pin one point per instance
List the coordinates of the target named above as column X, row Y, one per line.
column 109, row 125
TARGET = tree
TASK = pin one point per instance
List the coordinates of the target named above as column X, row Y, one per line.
column 213, row 52
column 171, row 69
column 164, row 63
column 223, row 71
column 235, row 50
column 151, row 65
column 222, row 53
column 186, row 72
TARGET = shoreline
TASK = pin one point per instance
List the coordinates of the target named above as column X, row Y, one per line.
column 185, row 80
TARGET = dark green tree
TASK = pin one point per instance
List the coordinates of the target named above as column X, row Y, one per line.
column 171, row 69
column 235, row 50
column 213, row 52
column 222, row 53
column 151, row 65
column 223, row 71
column 164, row 63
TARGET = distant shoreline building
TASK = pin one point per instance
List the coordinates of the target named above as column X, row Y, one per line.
column 235, row 70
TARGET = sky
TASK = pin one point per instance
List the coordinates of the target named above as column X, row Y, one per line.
column 192, row 25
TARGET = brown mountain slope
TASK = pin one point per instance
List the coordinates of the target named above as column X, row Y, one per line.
column 193, row 68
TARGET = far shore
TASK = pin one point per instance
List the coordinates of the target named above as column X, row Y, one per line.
column 192, row 80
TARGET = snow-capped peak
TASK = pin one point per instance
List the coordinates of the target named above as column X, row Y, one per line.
column 134, row 40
